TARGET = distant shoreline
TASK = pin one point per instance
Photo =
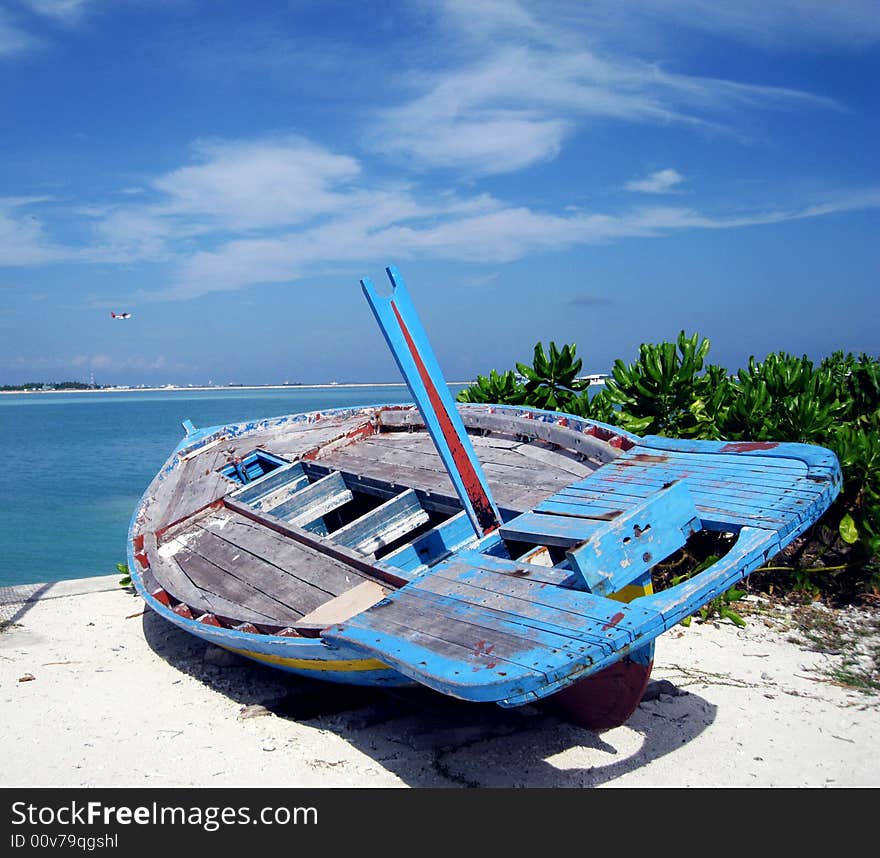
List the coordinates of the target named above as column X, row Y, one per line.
column 175, row 388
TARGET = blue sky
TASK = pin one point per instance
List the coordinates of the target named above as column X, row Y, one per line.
column 600, row 173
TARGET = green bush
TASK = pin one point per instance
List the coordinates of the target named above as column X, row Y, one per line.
column 494, row 388
column 784, row 398
column 671, row 390
column 551, row 382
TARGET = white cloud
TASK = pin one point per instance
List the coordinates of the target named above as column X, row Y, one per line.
column 58, row 9
column 490, row 233
column 13, row 39
column 660, row 182
column 97, row 361
column 260, row 211
column 514, row 102
column 252, row 184
column 22, row 238
column 107, row 362
column 780, row 25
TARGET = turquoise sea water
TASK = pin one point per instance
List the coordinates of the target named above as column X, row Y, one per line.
column 76, row 465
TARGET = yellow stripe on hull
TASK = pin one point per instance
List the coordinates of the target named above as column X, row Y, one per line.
column 342, row 666
column 632, row 591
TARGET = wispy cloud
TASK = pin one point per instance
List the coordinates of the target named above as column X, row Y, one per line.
column 271, row 211
column 515, row 103
column 781, row 25
column 17, row 33
column 96, row 361
column 23, row 241
column 13, row 39
column 778, row 26
column 482, row 229
column 660, row 182
column 58, row 9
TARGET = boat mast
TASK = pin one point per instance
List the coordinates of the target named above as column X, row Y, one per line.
column 409, row 344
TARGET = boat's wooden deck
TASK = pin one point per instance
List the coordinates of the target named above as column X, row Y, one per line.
column 520, row 474
column 479, row 628
column 275, row 580
column 236, row 565
column 772, row 486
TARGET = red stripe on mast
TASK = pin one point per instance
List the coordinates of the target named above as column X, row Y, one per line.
column 472, row 484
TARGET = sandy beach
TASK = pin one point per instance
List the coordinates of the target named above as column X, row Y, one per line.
column 96, row 692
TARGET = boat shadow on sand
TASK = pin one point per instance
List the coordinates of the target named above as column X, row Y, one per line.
column 432, row 740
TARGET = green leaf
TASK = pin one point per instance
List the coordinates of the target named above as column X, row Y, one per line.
column 733, row 616
column 849, row 533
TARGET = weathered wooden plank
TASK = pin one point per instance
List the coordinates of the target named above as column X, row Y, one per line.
column 558, row 530
column 715, row 513
column 280, row 495
column 389, row 445
column 315, row 500
column 633, row 482
column 320, row 434
column 477, row 658
column 507, row 494
column 342, row 607
column 810, row 455
column 257, row 573
column 432, row 501
column 557, row 459
column 569, row 506
column 169, row 490
column 434, row 545
column 526, row 598
column 383, row 525
column 374, row 570
column 622, row 550
column 353, row 460
column 379, row 451
column 462, row 648
column 171, row 578
column 495, row 610
column 483, row 442
column 553, row 433
column 752, row 472
column 527, row 476
column 518, row 568
column 714, row 504
column 650, row 455
column 209, row 576
column 175, row 582
column 297, row 560
column 281, row 478
column 201, row 490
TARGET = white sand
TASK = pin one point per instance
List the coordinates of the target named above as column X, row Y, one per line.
column 121, row 700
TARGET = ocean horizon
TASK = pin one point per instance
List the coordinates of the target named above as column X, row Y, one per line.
column 76, row 466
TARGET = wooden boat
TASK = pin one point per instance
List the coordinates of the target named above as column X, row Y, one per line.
column 495, row 554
